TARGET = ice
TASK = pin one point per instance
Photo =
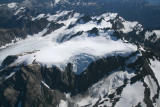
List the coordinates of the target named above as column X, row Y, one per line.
column 54, row 52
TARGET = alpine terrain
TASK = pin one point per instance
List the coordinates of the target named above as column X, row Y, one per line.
column 79, row 53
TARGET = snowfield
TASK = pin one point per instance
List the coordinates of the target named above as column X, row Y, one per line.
column 132, row 95
column 53, row 52
column 81, row 43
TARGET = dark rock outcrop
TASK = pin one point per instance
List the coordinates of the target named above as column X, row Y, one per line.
column 41, row 86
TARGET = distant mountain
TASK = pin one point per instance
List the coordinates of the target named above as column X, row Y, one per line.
column 148, row 15
column 154, row 2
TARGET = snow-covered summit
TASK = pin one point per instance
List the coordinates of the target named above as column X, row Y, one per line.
column 96, row 58
column 68, row 45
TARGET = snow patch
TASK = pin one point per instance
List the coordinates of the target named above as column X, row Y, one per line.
column 38, row 17
column 20, row 10
column 10, row 75
column 56, row 1
column 12, row 5
column 61, row 54
column 155, row 66
column 63, row 103
column 106, row 16
column 128, row 26
column 2, row 5
column 157, row 33
column 57, row 15
column 45, row 84
column 131, row 95
column 132, row 59
column 148, row 34
column 152, row 85
column 101, row 90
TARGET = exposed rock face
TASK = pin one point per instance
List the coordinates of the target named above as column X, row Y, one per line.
column 31, row 28
column 9, row 60
column 41, row 86
column 27, row 88
column 119, row 77
column 7, row 36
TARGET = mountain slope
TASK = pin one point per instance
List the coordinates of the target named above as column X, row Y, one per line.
column 142, row 11
column 81, row 60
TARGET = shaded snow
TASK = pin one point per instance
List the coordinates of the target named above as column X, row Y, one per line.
column 131, row 95
column 132, row 59
column 152, row 85
column 101, row 90
column 155, row 66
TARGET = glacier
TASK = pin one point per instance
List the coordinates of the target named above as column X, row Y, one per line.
column 54, row 51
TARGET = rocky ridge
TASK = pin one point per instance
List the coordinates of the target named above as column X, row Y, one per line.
column 105, row 81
